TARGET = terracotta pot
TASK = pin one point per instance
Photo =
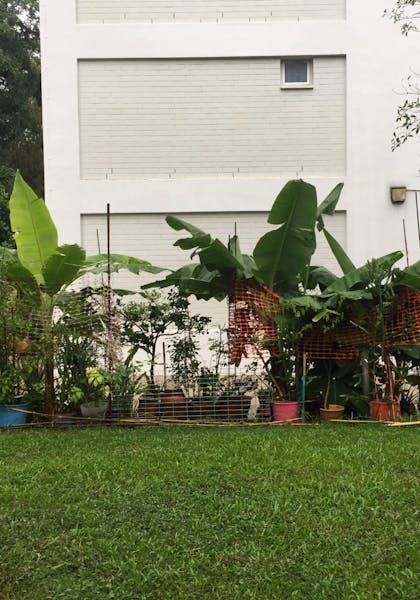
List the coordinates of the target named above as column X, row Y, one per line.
column 172, row 397
column 382, row 411
column 334, row 411
column 21, row 346
column 285, row 411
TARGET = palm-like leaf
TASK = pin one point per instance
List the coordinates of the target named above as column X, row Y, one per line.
column 34, row 231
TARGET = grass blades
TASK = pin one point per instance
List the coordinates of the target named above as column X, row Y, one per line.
column 322, row 512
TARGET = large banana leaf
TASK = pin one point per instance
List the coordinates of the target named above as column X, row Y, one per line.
column 34, row 231
column 361, row 277
column 247, row 263
column 63, row 267
column 320, row 277
column 198, row 239
column 217, row 256
column 195, row 279
column 410, row 276
column 212, row 278
column 24, row 282
column 327, row 207
column 282, row 256
column 99, row 264
column 340, row 254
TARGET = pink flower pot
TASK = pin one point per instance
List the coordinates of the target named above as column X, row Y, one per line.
column 286, row 411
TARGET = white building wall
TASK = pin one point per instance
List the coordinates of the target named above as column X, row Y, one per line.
column 106, row 11
column 219, row 117
column 377, row 58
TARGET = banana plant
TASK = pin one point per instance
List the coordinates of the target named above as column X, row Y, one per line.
column 44, row 270
column 281, row 258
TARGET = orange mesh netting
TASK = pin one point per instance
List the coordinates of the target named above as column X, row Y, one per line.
column 346, row 341
column 252, row 308
column 402, row 327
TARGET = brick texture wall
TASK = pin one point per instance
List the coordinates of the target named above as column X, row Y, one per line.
column 207, row 10
column 209, row 117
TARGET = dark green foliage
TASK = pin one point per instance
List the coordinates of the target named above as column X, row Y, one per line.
column 20, row 90
column 7, row 176
column 312, row 513
column 155, row 317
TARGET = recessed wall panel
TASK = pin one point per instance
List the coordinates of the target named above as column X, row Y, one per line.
column 209, row 118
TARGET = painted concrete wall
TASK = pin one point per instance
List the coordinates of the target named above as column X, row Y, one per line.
column 377, row 58
column 224, row 117
column 105, row 11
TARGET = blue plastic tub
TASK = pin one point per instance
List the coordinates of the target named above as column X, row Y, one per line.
column 10, row 417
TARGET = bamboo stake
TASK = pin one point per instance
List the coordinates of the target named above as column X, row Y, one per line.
column 372, row 422
column 405, row 424
column 92, row 421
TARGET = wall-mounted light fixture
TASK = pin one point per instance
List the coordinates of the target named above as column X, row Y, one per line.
column 398, row 195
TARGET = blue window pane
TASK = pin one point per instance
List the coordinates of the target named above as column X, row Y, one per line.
column 296, row 72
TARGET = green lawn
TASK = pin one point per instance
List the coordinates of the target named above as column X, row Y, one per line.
column 328, row 512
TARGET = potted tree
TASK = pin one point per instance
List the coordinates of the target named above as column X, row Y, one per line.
column 330, row 411
column 156, row 318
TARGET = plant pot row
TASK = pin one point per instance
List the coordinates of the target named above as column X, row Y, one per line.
column 289, row 412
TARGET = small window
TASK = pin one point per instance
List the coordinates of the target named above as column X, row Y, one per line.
column 296, row 73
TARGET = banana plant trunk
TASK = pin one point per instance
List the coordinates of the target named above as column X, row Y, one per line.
column 49, row 385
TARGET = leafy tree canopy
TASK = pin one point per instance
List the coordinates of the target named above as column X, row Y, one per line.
column 20, row 101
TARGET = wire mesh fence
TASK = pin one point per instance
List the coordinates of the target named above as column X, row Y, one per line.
column 233, row 404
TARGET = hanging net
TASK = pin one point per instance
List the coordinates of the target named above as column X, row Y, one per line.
column 402, row 326
column 252, row 308
column 344, row 342
column 349, row 339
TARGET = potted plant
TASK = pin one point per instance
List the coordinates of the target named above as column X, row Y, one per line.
column 144, row 324
column 96, row 400
column 10, row 399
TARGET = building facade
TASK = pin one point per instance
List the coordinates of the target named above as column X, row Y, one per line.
column 205, row 108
